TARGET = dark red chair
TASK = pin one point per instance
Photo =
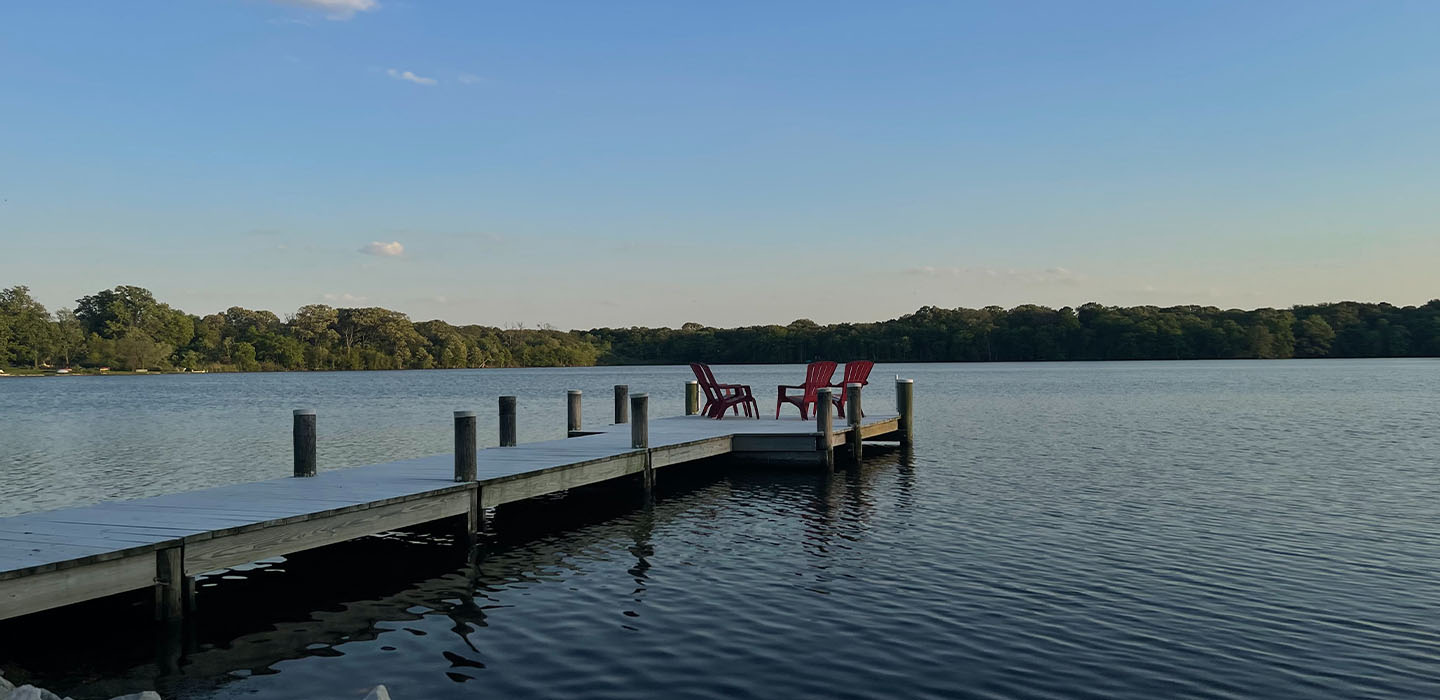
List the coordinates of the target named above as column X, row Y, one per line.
column 817, row 376
column 856, row 372
column 719, row 397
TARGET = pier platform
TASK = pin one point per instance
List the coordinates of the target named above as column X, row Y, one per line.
column 62, row 557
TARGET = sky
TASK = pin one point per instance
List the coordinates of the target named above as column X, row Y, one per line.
column 584, row 164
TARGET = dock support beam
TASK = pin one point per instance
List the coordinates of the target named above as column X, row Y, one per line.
column 465, row 448
column 825, row 427
column 304, row 438
column 170, row 584
column 640, row 435
column 622, row 404
column 692, row 397
column 853, row 415
column 507, row 421
column 572, row 413
column 905, row 406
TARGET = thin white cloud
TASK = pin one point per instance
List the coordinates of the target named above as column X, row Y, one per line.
column 1049, row 275
column 469, row 79
column 392, row 249
column 339, row 10
column 344, row 297
column 407, row 75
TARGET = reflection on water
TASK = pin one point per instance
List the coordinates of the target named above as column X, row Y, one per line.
column 1119, row 530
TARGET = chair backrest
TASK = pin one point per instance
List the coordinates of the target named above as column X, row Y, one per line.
column 817, row 376
column 706, row 379
column 857, row 372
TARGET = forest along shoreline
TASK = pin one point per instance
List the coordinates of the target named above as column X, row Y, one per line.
column 127, row 330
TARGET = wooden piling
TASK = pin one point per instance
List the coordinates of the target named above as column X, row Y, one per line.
column 622, row 404
column 169, row 584
column 640, row 427
column 692, row 397
column 572, row 413
column 640, row 437
column 905, row 406
column 507, row 421
column 465, row 446
column 825, row 426
column 853, row 417
column 304, row 438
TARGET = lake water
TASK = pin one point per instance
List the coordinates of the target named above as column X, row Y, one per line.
column 1106, row 530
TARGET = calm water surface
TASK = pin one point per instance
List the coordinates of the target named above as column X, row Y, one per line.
column 1226, row 529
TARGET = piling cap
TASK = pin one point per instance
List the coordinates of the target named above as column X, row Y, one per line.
column 304, row 411
column 639, row 396
column 854, row 384
column 464, row 414
column 574, row 391
column 904, row 381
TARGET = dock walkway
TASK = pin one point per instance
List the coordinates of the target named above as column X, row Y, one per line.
column 61, row 557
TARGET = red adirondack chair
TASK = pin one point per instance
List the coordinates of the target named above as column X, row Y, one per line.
column 856, row 372
column 817, row 375
column 719, row 397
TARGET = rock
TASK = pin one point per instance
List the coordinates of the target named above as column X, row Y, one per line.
column 378, row 693
column 26, row 692
column 5, row 686
column 146, row 695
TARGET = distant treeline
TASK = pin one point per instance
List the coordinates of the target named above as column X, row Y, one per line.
column 127, row 328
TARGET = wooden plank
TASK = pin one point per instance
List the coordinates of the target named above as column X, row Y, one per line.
column 774, row 443
column 878, row 428
column 689, row 451
column 53, row 589
column 243, row 548
column 558, row 479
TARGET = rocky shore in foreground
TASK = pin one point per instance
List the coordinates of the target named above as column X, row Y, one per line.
column 8, row 691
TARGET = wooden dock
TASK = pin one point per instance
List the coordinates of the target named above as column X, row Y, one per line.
column 61, row 557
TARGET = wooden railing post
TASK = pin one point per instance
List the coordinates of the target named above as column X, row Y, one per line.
column 304, row 439
column 507, row 421
column 465, row 446
column 853, row 415
column 572, row 413
column 692, row 397
column 905, row 406
column 825, row 426
column 622, row 404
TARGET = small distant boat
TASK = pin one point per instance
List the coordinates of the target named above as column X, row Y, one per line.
column 63, row 370
column 142, row 370
column 199, row 371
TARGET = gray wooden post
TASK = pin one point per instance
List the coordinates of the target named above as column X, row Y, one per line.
column 572, row 413
column 507, row 421
column 640, row 427
column 465, row 450
column 304, row 438
column 825, row 426
column 692, row 397
column 852, row 415
column 622, row 404
column 905, row 406
column 169, row 584
column 640, row 436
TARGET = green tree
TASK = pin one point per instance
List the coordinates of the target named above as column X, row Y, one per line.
column 27, row 323
column 69, row 335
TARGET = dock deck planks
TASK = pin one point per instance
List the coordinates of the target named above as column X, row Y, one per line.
column 224, row 525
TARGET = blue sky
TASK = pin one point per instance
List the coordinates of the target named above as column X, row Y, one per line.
column 645, row 163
